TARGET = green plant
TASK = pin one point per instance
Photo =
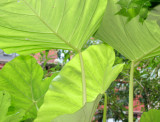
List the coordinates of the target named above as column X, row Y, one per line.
column 29, row 97
column 133, row 8
column 105, row 108
column 29, row 26
column 95, row 85
column 22, row 79
column 35, row 30
column 134, row 40
column 146, row 87
column 5, row 101
column 150, row 116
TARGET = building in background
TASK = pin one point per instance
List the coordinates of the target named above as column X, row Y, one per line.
column 4, row 58
column 51, row 57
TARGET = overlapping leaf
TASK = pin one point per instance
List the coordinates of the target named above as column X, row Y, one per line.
column 5, row 102
column 134, row 40
column 85, row 114
column 65, row 93
column 28, row 26
column 150, row 116
column 22, row 78
column 133, row 8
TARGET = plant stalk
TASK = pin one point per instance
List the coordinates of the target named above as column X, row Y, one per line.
column 105, row 108
column 130, row 117
column 84, row 93
column 36, row 106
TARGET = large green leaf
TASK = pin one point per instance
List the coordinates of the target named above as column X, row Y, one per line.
column 151, row 116
column 65, row 93
column 5, row 101
column 28, row 26
column 22, row 78
column 133, row 39
column 85, row 114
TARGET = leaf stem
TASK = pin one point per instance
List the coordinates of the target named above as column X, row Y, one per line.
column 105, row 108
column 130, row 117
column 36, row 106
column 83, row 79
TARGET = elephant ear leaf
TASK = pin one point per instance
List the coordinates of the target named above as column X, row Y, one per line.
column 29, row 26
column 150, row 116
column 64, row 96
column 133, row 39
column 23, row 79
column 85, row 114
column 5, row 101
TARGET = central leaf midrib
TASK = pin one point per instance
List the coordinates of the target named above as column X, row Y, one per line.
column 31, row 86
column 35, row 13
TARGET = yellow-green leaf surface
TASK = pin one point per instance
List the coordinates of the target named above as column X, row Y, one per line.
column 4, row 104
column 22, row 79
column 85, row 114
column 134, row 40
column 65, row 93
column 28, row 26
column 5, row 101
column 151, row 116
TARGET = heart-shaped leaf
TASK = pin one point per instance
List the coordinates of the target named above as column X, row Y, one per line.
column 65, row 93
column 22, row 78
column 29, row 26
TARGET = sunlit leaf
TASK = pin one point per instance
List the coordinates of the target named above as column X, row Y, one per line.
column 22, row 78
column 65, row 93
column 29, row 26
column 85, row 114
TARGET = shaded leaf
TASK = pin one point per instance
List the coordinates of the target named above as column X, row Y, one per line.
column 150, row 116
column 134, row 40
